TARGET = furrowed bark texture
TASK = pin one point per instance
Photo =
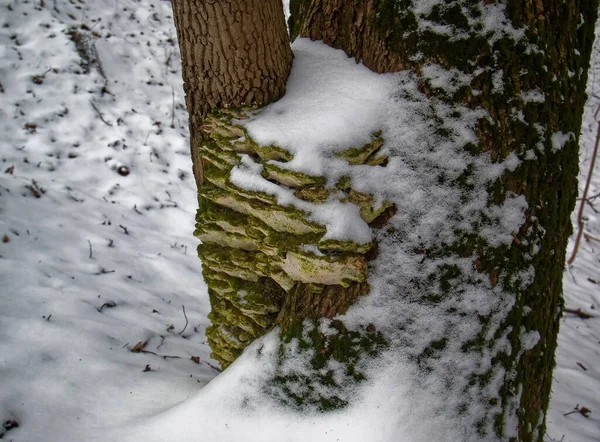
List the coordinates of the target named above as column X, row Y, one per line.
column 234, row 53
column 543, row 76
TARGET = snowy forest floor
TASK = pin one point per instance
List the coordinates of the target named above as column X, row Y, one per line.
column 102, row 303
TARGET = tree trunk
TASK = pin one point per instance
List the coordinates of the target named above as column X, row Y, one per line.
column 236, row 58
column 234, row 53
column 552, row 60
column 521, row 63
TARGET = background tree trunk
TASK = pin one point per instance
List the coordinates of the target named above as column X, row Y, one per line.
column 386, row 36
column 234, row 53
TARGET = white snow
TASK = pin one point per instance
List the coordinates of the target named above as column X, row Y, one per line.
column 323, row 83
column 559, row 139
column 93, row 262
column 100, row 261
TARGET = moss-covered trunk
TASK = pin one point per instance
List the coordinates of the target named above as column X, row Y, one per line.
column 522, row 67
column 527, row 68
column 256, row 255
column 267, row 264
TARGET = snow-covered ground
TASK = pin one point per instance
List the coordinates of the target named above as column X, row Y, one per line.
column 97, row 206
column 102, row 304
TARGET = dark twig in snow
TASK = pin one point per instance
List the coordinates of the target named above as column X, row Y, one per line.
column 186, row 320
column 100, row 114
column 90, row 248
column 583, row 367
column 124, row 229
column 590, row 198
column 35, row 189
column 160, row 356
column 217, row 369
column 108, row 304
column 589, row 203
column 172, row 106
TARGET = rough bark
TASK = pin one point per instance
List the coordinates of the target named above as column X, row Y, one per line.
column 385, row 35
column 236, row 57
column 234, row 53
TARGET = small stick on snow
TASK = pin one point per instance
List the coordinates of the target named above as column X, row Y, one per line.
column 589, row 237
column 583, row 367
column 90, row 248
column 579, row 313
column 160, row 356
column 100, row 114
column 172, row 105
column 186, row 320
column 213, row 367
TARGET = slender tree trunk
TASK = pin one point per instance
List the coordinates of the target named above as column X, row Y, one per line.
column 236, row 57
column 551, row 60
column 234, row 53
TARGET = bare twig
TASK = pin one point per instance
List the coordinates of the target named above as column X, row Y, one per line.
column 578, row 312
column 139, row 346
column 186, row 320
column 36, row 189
column 172, row 106
column 213, row 367
column 593, row 197
column 589, row 203
column 90, row 248
column 109, row 304
column 584, row 411
column 584, row 196
column 100, row 114
column 160, row 356
column 590, row 237
column 124, row 229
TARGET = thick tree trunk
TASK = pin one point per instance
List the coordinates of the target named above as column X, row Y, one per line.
column 236, row 58
column 234, row 53
column 533, row 88
column 521, row 63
